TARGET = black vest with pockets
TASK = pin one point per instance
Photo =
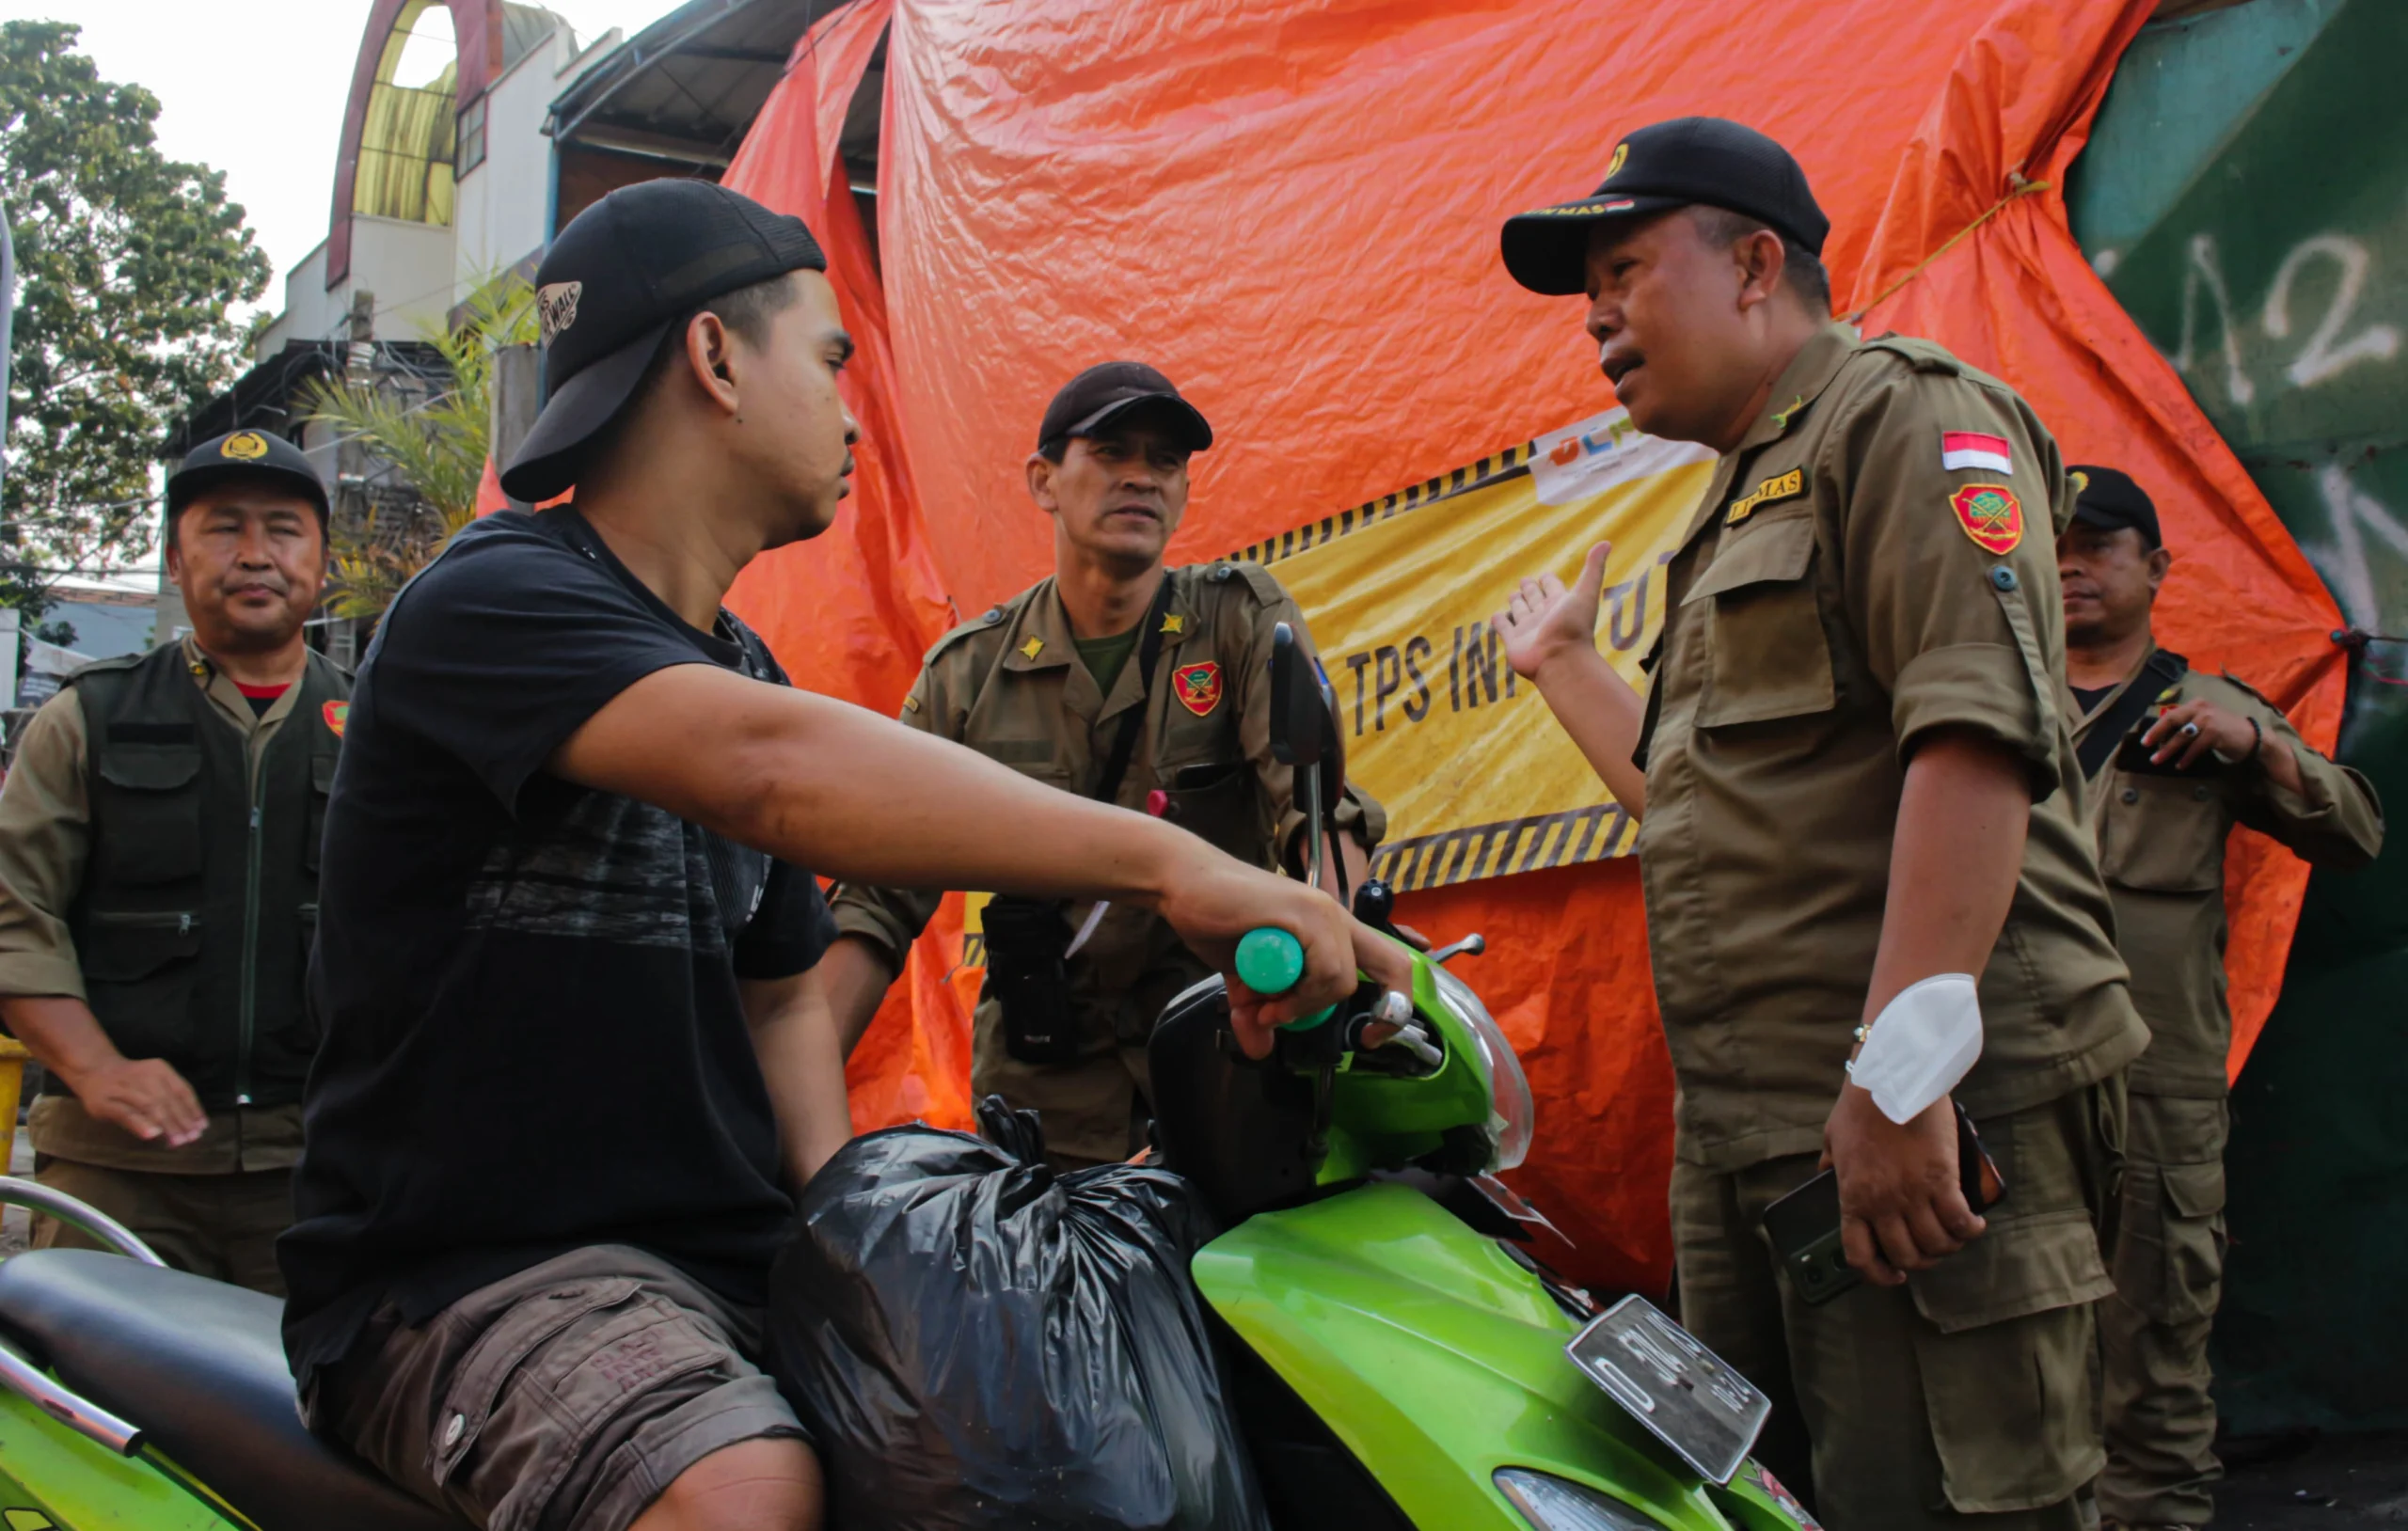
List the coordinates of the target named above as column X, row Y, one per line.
column 194, row 924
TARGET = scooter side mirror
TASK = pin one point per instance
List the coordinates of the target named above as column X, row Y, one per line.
column 1299, row 718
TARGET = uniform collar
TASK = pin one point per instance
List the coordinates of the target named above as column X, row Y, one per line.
column 1046, row 625
column 1802, row 382
column 220, row 688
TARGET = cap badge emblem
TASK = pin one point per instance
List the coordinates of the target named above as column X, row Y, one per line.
column 245, row 446
column 556, row 307
column 1613, row 167
column 1990, row 514
column 1198, row 686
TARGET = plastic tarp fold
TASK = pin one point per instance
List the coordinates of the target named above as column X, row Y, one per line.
column 1292, row 207
column 849, row 613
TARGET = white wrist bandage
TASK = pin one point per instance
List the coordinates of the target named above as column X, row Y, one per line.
column 1921, row 1044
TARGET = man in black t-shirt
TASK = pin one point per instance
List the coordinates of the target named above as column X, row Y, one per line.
column 574, row 1055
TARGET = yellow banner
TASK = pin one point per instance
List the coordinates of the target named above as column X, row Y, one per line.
column 1477, row 780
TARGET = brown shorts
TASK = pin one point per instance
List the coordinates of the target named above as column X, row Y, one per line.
column 563, row 1398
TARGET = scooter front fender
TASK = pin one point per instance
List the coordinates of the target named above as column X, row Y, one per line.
column 1436, row 1359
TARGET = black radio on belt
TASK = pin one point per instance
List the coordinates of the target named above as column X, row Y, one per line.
column 1029, row 974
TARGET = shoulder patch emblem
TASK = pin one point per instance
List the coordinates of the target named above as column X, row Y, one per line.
column 1962, row 450
column 1784, row 486
column 1990, row 514
column 336, row 714
column 244, row 446
column 1198, row 686
column 1033, row 647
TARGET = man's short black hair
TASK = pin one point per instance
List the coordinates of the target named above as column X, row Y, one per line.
column 746, row 312
column 1802, row 268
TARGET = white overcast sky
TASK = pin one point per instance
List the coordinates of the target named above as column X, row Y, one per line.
column 257, row 88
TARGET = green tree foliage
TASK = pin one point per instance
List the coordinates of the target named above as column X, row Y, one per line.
column 430, row 445
column 127, row 262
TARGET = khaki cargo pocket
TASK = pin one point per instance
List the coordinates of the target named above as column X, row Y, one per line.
column 1215, row 802
column 550, row 1374
column 2164, row 834
column 2006, row 1362
column 2169, row 1253
column 1767, row 655
column 152, row 815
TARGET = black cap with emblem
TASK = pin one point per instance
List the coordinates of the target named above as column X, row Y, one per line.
column 246, row 456
column 616, row 280
column 1683, row 163
column 1112, row 390
column 2109, row 499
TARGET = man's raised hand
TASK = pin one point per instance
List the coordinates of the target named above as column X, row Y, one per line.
column 1545, row 621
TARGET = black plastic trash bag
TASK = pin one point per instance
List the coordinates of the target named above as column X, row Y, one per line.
column 980, row 1345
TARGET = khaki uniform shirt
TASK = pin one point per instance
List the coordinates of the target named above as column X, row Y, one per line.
column 45, row 836
column 1840, row 594
column 2160, row 846
column 1012, row 686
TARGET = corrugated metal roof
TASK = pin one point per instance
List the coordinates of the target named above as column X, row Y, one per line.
column 688, row 86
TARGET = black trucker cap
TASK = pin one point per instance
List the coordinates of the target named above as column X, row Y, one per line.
column 244, row 454
column 2111, row 501
column 618, row 276
column 1108, row 390
column 1687, row 160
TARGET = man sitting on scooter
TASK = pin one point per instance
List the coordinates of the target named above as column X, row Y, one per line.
column 574, row 1055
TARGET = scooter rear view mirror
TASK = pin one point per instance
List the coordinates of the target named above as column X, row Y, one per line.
column 1299, row 717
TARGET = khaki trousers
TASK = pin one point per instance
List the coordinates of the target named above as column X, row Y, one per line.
column 1968, row 1398
column 2153, row 1333
column 222, row 1227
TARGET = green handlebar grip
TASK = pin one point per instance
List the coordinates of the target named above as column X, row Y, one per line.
column 1269, row 962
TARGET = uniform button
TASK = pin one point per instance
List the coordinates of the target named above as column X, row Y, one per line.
column 1220, row 574
column 2002, row 576
column 994, row 614
column 2132, row 794
column 454, row 1429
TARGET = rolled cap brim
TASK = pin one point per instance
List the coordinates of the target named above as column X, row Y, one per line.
column 547, row 463
column 1547, row 251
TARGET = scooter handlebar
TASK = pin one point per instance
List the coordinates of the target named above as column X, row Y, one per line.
column 1270, row 962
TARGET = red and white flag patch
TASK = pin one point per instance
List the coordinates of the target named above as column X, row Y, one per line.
column 1961, row 449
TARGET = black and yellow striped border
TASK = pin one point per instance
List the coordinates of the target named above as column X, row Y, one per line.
column 1495, row 850
column 1510, row 464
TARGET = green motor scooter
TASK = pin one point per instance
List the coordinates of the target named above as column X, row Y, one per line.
column 1396, row 1358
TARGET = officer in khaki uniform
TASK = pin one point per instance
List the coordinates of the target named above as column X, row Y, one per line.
column 158, row 882
column 1859, row 780
column 1027, row 685
column 2174, row 759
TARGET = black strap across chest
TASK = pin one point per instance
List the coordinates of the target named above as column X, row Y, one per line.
column 2162, row 669
column 1133, row 722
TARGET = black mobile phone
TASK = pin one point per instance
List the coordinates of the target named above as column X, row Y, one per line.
column 2133, row 756
column 1804, row 1225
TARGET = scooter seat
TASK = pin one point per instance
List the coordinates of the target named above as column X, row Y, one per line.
column 198, row 1367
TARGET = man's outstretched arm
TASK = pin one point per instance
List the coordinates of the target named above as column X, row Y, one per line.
column 1551, row 639
column 831, row 786
column 795, row 1039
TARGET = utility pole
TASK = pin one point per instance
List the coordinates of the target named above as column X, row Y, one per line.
column 353, row 511
column 517, row 398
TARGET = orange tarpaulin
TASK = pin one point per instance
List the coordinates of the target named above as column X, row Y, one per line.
column 1292, row 207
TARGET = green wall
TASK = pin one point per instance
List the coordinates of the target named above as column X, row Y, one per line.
column 2245, row 195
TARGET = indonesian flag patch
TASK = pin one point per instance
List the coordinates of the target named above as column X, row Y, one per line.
column 1990, row 514
column 1198, row 686
column 1961, row 449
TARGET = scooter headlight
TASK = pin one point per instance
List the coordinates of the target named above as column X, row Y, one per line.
column 1554, row 1504
column 1510, row 1112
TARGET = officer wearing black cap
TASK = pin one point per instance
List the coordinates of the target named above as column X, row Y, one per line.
column 158, row 880
column 1045, row 682
column 1869, row 889
column 2174, row 759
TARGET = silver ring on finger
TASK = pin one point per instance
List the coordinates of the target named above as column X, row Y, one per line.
column 2190, row 731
